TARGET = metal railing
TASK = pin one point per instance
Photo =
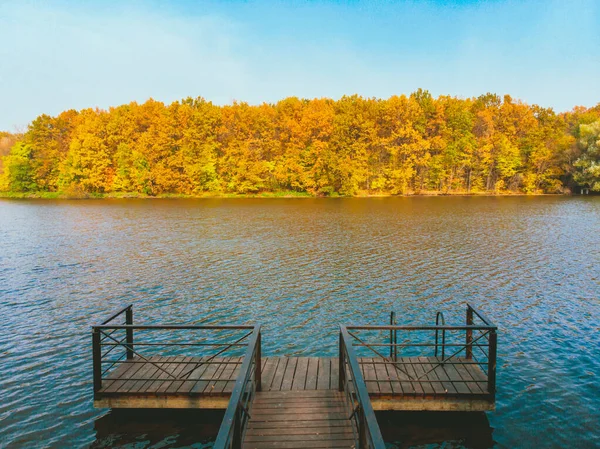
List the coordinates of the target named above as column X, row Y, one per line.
column 471, row 344
column 364, row 422
column 233, row 426
column 115, row 343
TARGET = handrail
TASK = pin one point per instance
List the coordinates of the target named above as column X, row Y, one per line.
column 483, row 337
column 393, row 338
column 170, row 326
column 437, row 322
column 481, row 315
column 116, row 313
column 111, row 336
column 232, row 427
column 369, row 434
column 422, row 328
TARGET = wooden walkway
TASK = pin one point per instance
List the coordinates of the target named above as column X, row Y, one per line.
column 412, row 384
column 296, row 402
column 298, row 419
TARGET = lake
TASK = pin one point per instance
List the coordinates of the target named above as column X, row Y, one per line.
column 301, row 267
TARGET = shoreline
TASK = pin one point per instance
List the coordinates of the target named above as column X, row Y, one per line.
column 286, row 195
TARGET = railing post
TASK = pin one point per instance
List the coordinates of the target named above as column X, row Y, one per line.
column 129, row 332
column 258, row 368
column 392, row 336
column 492, row 362
column 469, row 345
column 96, row 359
column 342, row 367
column 395, row 343
column 362, row 430
column 236, row 442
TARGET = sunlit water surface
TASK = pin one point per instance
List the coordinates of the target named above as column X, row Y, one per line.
column 301, row 266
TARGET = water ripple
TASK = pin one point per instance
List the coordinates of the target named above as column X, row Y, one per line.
column 300, row 267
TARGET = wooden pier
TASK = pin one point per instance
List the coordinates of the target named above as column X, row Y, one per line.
column 296, row 402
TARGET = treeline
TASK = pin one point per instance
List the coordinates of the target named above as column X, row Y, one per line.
column 400, row 145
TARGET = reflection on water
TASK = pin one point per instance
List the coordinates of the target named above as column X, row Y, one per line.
column 157, row 428
column 301, row 266
column 198, row 429
column 436, row 429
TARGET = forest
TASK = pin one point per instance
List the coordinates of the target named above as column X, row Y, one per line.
column 403, row 145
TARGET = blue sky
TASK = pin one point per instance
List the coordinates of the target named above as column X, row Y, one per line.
column 60, row 55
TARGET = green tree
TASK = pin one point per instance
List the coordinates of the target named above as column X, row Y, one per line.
column 19, row 172
column 587, row 167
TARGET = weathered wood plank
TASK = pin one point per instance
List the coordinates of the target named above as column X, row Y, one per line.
column 422, row 375
column 298, row 424
column 443, row 376
column 164, row 388
column 324, row 374
column 477, row 374
column 381, row 374
column 368, row 370
column 270, row 367
column 312, row 374
column 295, row 402
column 279, row 374
column 199, row 368
column 410, row 370
column 334, row 373
column 176, row 385
column 461, row 387
column 291, row 412
column 146, row 372
column 395, row 384
column 288, row 377
column 301, row 394
column 325, row 430
column 466, row 376
column 293, row 437
column 438, row 388
column 113, row 386
column 299, row 382
column 206, row 386
column 161, row 376
column 299, row 444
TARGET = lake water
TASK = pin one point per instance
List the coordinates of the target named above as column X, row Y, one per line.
column 301, row 266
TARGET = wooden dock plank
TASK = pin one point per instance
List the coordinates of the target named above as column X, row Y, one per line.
column 268, row 373
column 288, row 377
column 298, row 444
column 155, row 370
column 324, row 374
column 176, row 372
column 206, row 384
column 118, row 377
column 457, row 380
column 381, row 373
column 478, row 375
column 414, row 377
column 296, row 424
column 428, row 367
column 423, row 375
column 199, row 366
column 333, row 430
column 161, row 376
column 443, row 376
column 279, row 374
column 299, row 382
column 177, row 384
column 304, row 382
column 334, row 373
column 474, row 387
column 312, row 374
column 299, row 419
